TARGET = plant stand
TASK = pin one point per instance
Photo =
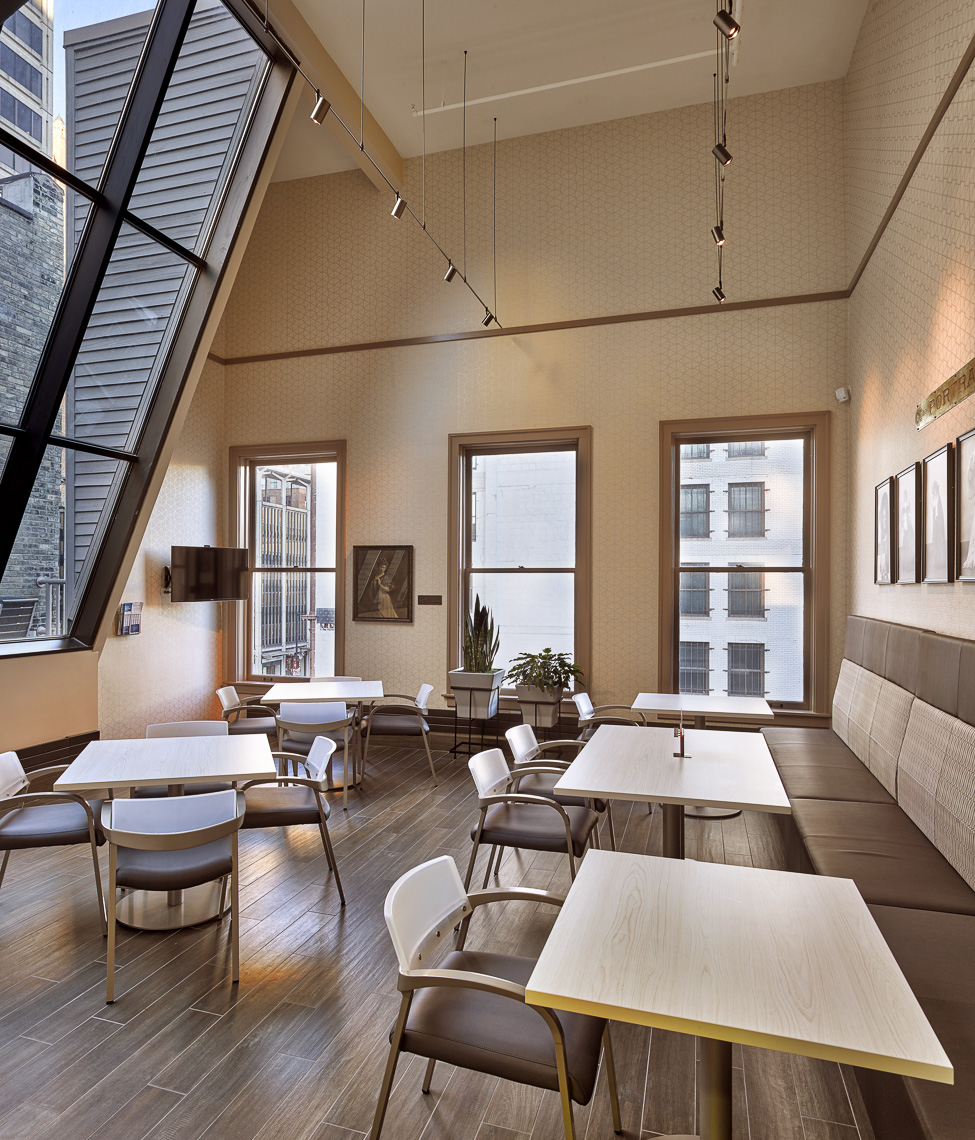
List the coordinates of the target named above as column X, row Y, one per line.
column 467, row 746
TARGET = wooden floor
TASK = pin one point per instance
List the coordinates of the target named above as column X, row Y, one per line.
column 296, row 1051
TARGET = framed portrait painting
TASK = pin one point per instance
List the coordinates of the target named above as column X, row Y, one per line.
column 883, row 533
column 937, row 492
column 907, row 531
column 382, row 583
column 965, row 497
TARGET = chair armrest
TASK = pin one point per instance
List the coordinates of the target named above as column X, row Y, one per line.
column 282, row 781
column 524, row 798
column 400, row 697
column 461, row 979
column 54, row 770
column 513, row 894
column 561, row 744
column 539, row 766
column 295, row 757
column 24, row 798
column 602, row 708
column 411, row 708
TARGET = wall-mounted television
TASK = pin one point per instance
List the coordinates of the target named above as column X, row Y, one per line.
column 209, row 573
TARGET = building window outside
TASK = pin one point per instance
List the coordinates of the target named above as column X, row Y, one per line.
column 20, row 71
column 20, row 115
column 746, row 449
column 746, row 510
column 694, row 667
column 746, row 594
column 695, row 450
column 746, row 669
column 26, row 31
column 695, row 593
column 695, row 513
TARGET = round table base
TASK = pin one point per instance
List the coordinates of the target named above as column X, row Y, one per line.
column 696, row 812
column 154, row 910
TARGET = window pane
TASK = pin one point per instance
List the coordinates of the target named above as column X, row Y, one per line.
column 695, row 450
column 746, row 595
column 217, row 78
column 695, row 518
column 525, row 509
column 531, row 612
column 694, row 676
column 293, row 624
column 694, row 594
column 745, row 450
column 746, row 669
column 296, row 503
column 746, row 510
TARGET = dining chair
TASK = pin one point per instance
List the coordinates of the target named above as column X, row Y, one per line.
column 300, row 722
column 237, row 710
column 470, row 1009
column 510, row 818
column 172, row 844
column 174, row 729
column 592, row 716
column 290, row 800
column 46, row 819
column 525, row 749
column 406, row 718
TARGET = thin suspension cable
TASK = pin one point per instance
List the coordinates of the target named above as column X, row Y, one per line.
column 362, row 82
column 464, row 164
column 495, row 195
column 423, row 102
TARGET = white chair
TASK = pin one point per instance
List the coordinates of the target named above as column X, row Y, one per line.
column 300, row 722
column 172, row 844
column 237, row 712
column 525, row 749
column 452, row 1012
column 592, row 716
column 406, row 718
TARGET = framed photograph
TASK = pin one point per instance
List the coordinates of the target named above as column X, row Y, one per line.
column 382, row 583
column 907, row 500
column 938, row 493
column 965, row 496
column 883, row 533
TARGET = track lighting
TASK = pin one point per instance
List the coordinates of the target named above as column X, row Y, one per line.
column 718, row 293
column 321, row 108
column 399, row 206
column 718, row 234
column 721, row 153
column 727, row 24
column 488, row 317
column 451, row 271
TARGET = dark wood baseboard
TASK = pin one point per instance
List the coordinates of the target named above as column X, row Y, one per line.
column 54, row 752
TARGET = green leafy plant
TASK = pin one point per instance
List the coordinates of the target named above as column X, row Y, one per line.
column 481, row 641
column 545, row 670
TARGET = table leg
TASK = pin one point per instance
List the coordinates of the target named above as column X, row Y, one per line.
column 673, row 831
column 714, row 1089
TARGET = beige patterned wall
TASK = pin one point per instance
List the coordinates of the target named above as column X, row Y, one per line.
column 912, row 317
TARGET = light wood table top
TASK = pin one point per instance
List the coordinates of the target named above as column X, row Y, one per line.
column 768, row 958
column 701, row 707
column 167, row 761
column 350, row 691
column 719, row 769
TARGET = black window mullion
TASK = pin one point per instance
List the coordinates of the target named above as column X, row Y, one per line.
column 163, row 42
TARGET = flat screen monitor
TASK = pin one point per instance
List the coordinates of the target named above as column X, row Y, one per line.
column 209, row 573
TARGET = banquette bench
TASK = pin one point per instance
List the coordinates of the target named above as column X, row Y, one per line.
column 887, row 798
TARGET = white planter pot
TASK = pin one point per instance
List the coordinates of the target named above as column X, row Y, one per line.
column 539, row 707
column 476, row 694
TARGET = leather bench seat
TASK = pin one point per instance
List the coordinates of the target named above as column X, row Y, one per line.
column 891, row 861
column 813, row 763
column 936, row 952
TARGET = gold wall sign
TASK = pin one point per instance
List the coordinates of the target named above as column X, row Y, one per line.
column 947, row 396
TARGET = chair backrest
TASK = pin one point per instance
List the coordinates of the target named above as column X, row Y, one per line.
column 490, row 772
column 312, row 716
column 522, row 742
column 227, row 695
column 423, row 696
column 316, row 762
column 13, row 779
column 171, row 823
column 187, row 728
column 422, row 907
column 583, row 705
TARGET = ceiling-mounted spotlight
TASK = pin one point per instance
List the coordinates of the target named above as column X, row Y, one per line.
column 451, row 271
column 399, row 206
column 721, row 153
column 718, row 234
column 321, row 108
column 718, row 293
column 727, row 24
column 488, row 317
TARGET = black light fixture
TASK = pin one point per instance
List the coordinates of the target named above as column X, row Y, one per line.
column 488, row 317
column 398, row 206
column 321, row 108
column 718, row 293
column 451, row 271
column 721, row 153
column 726, row 24
column 717, row 233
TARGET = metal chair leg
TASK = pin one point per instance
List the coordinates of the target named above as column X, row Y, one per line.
column 3, row 866
column 234, row 914
column 487, row 869
column 428, row 1075
column 110, row 949
column 387, row 1085
column 98, row 881
column 433, row 771
column 330, row 855
column 567, row 1123
column 614, row 1099
column 612, row 830
column 474, row 847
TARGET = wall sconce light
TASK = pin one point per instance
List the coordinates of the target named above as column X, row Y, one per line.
column 399, row 206
column 718, row 234
column 451, row 271
column 321, row 108
column 727, row 24
column 718, row 293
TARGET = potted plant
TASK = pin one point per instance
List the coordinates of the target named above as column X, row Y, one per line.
column 540, row 680
column 476, row 686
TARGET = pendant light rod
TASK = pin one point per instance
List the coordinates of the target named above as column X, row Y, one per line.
column 464, row 163
column 494, row 173
column 423, row 104
column 362, row 83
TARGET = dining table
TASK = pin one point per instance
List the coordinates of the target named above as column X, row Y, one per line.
column 730, row 954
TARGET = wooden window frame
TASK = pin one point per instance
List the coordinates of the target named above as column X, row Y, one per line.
column 242, row 462
column 460, row 446
column 815, row 427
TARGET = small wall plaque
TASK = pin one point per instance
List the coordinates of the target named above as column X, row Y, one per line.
column 947, row 396
column 429, row 600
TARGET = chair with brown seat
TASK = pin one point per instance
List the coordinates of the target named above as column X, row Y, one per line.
column 510, row 818
column 292, row 800
column 525, row 749
column 245, row 716
column 301, row 722
column 46, row 819
column 470, row 1010
column 592, row 716
column 405, row 718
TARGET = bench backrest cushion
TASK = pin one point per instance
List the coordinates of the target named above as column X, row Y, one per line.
column 887, row 732
column 870, row 716
column 843, row 699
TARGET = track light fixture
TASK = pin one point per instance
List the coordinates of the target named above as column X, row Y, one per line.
column 398, row 207
column 726, row 24
column 721, row 153
column 488, row 317
column 451, row 271
column 321, row 108
column 718, row 234
column 718, row 293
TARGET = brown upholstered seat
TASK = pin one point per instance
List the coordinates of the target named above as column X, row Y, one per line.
column 269, row 805
column 404, row 723
column 48, row 825
column 174, row 870
column 536, row 827
column 498, row 1036
column 813, row 763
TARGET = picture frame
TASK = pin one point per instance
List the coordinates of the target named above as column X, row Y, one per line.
column 938, row 494
column 965, row 512
column 884, row 512
column 382, row 584
column 907, row 500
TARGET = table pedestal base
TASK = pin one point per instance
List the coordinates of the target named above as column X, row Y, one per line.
column 714, row 1089
column 162, row 910
column 711, row 812
column 673, row 831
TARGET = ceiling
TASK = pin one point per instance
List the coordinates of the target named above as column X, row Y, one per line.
column 516, row 46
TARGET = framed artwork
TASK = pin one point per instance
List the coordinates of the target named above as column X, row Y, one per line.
column 965, row 496
column 907, row 501
column 382, row 583
column 937, row 492
column 883, row 533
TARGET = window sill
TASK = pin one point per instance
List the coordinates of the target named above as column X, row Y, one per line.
column 34, row 647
